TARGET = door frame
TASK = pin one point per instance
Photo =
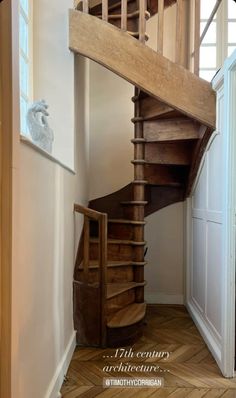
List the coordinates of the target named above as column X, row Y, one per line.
column 6, row 178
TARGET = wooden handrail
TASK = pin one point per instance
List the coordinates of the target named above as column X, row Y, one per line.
column 101, row 218
column 86, row 211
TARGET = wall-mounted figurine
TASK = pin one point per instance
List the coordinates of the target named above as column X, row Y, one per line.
column 39, row 129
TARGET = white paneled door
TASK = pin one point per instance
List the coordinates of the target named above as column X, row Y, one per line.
column 210, row 285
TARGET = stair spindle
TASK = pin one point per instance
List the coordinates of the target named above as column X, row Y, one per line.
column 124, row 15
column 105, row 10
column 86, row 248
column 179, row 48
column 142, row 20
column 160, row 26
column 86, row 6
column 103, row 274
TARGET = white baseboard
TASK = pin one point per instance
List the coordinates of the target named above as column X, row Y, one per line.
column 205, row 331
column 53, row 390
column 161, row 298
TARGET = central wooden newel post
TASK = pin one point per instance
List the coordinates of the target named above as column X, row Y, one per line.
column 139, row 182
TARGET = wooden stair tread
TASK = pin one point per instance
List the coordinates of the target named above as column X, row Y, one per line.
column 120, row 242
column 134, row 202
column 168, row 184
column 125, row 221
column 129, row 315
column 171, row 130
column 93, row 264
column 114, row 289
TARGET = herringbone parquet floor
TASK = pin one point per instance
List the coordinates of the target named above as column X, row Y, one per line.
column 189, row 371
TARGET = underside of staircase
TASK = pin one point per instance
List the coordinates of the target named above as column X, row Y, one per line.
column 174, row 117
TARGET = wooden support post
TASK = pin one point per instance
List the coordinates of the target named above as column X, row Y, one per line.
column 196, row 37
column 142, row 20
column 103, row 274
column 124, row 15
column 160, row 33
column 105, row 10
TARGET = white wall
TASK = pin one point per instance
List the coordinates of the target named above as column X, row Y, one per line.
column 211, row 231
column 164, row 271
column 45, row 231
column 111, row 130
column 51, row 58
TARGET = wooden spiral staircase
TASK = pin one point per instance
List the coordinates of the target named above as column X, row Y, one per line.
column 174, row 117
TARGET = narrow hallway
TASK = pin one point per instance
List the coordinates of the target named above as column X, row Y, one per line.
column 177, row 351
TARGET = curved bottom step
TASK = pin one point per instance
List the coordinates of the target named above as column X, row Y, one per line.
column 124, row 336
column 128, row 316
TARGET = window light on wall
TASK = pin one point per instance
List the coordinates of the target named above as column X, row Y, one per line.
column 25, row 63
column 220, row 40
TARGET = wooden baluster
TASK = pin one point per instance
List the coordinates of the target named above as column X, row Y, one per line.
column 124, row 15
column 196, row 37
column 142, row 20
column 86, row 6
column 103, row 273
column 105, row 10
column 160, row 32
column 86, row 248
column 180, row 31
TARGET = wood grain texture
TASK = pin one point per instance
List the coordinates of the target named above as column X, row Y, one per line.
column 105, row 10
column 192, row 371
column 128, row 316
column 173, row 153
column 142, row 20
column 151, row 108
column 181, row 33
column 124, row 14
column 8, row 18
column 166, row 175
column 128, row 58
column 114, row 289
column 171, row 130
